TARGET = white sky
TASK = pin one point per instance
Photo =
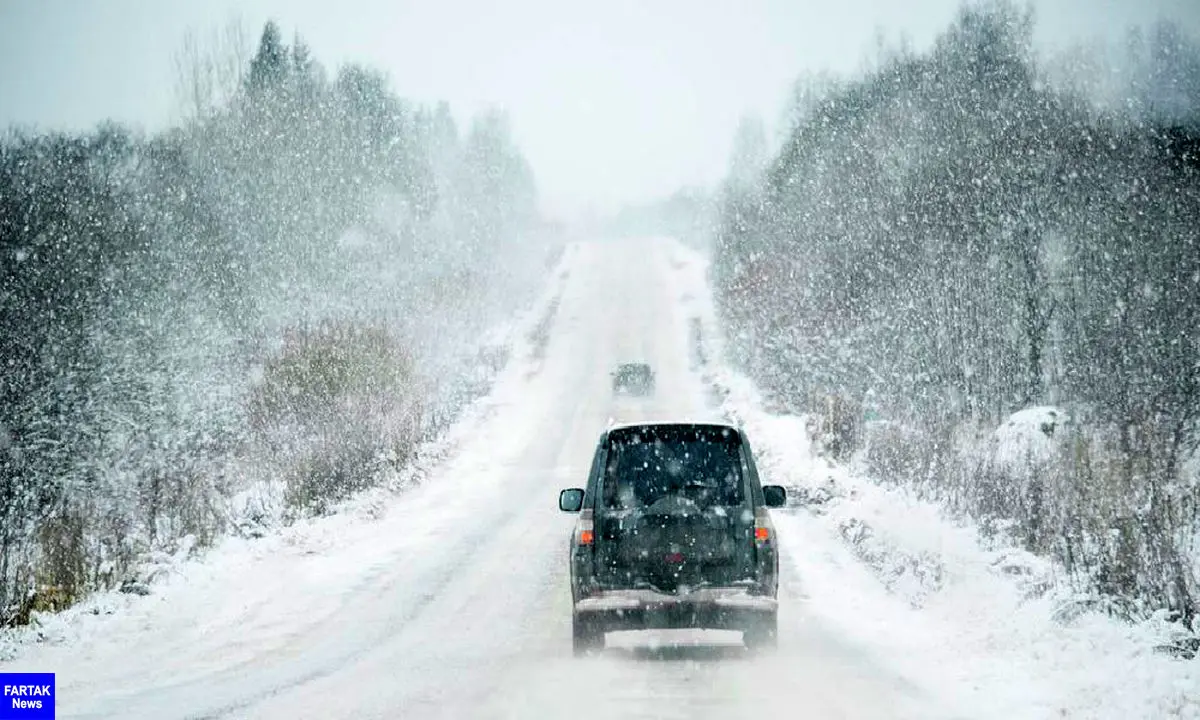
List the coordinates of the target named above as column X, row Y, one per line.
column 611, row 101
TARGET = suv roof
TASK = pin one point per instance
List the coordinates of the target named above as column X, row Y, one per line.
column 654, row 424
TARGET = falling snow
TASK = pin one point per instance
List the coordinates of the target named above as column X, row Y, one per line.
column 288, row 388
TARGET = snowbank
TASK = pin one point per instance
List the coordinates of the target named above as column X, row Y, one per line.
column 990, row 628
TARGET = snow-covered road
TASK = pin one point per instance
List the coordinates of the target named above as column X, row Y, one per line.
column 451, row 599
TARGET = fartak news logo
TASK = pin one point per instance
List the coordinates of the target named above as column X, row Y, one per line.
column 26, row 696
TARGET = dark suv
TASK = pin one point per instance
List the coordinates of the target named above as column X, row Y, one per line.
column 673, row 532
column 633, row 379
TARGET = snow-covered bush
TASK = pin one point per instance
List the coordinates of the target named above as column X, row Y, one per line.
column 337, row 404
column 895, row 453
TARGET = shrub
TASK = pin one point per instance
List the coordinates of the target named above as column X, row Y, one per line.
column 336, row 405
column 1062, row 489
column 837, row 424
column 894, row 453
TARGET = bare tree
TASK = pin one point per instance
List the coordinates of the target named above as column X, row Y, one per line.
column 209, row 68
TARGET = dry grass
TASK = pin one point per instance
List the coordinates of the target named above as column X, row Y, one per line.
column 336, row 406
column 1091, row 505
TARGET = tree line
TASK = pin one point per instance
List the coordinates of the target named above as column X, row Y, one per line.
column 165, row 299
column 964, row 233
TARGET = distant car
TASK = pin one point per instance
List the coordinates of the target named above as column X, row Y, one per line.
column 636, row 378
column 673, row 532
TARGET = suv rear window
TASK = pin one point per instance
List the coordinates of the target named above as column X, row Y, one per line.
column 647, row 464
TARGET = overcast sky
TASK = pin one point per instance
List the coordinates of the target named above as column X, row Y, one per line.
column 611, row 101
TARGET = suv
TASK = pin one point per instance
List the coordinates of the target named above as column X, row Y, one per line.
column 673, row 532
column 633, row 378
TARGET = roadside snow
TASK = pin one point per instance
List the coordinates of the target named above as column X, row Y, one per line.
column 187, row 579
column 985, row 628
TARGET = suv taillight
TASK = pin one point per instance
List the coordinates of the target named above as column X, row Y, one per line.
column 583, row 556
column 763, row 530
column 585, row 531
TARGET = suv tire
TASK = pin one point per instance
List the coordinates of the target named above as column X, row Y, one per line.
column 763, row 633
column 586, row 637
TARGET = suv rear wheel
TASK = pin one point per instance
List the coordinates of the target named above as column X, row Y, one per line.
column 763, row 633
column 586, row 637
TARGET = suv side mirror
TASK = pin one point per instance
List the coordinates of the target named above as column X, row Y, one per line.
column 570, row 500
column 774, row 495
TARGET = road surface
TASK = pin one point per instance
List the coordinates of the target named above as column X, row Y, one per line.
column 451, row 600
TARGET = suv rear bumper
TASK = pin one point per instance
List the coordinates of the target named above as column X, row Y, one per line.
column 710, row 608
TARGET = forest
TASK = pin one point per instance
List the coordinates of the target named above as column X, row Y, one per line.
column 244, row 318
column 977, row 236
